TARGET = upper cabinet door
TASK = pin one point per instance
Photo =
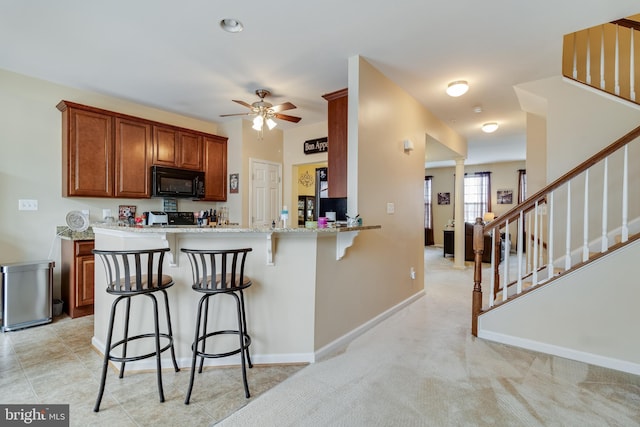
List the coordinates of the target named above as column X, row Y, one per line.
column 191, row 152
column 133, row 158
column 165, row 146
column 177, row 149
column 215, row 168
column 87, row 152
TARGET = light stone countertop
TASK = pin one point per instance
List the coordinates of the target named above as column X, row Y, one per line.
column 232, row 229
column 66, row 233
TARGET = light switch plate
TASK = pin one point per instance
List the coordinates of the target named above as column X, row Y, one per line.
column 27, row 205
column 391, row 208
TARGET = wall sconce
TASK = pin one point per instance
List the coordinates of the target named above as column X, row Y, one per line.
column 408, row 145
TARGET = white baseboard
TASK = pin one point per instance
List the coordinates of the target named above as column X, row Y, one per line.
column 271, row 359
column 185, row 362
column 567, row 353
column 340, row 343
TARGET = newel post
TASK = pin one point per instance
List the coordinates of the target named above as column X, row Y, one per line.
column 478, row 249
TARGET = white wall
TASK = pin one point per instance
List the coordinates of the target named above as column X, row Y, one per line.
column 586, row 314
column 580, row 122
column 536, row 153
column 590, row 315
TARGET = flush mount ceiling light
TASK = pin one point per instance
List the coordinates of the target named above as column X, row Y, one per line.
column 490, row 127
column 231, row 25
column 457, row 88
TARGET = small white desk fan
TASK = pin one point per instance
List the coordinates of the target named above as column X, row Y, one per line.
column 77, row 221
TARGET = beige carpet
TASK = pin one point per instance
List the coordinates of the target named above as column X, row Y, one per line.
column 421, row 367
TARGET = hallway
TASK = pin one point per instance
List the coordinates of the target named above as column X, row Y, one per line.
column 423, row 367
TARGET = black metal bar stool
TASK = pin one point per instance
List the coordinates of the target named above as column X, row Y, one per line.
column 130, row 273
column 218, row 272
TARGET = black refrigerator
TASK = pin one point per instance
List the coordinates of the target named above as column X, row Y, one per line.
column 324, row 203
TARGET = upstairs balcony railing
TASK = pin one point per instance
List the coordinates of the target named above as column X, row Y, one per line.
column 606, row 57
column 572, row 221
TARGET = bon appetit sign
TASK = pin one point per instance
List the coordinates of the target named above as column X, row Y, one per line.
column 318, row 145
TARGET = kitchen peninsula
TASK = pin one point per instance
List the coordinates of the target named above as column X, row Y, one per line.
column 296, row 272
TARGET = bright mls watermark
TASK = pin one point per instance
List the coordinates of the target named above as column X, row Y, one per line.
column 34, row 415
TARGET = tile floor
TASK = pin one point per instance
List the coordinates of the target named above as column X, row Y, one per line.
column 55, row 363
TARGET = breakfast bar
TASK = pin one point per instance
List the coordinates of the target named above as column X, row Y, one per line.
column 293, row 269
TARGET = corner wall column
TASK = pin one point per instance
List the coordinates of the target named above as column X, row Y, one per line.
column 458, row 251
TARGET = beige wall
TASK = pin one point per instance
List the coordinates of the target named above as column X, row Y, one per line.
column 30, row 165
column 380, row 260
column 504, row 176
column 381, row 116
column 294, row 157
column 269, row 148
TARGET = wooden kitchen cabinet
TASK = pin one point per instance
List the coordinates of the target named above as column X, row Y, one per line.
column 215, row 168
column 337, row 139
column 176, row 148
column 109, row 154
column 77, row 277
column 87, row 151
column 133, row 158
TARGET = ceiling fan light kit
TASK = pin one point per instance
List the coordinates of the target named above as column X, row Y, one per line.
column 457, row 88
column 265, row 112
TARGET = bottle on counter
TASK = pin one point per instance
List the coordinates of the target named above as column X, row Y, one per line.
column 284, row 216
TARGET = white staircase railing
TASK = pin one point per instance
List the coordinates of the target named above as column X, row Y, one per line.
column 579, row 216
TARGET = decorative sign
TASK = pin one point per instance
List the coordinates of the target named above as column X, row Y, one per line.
column 318, row 145
column 306, row 179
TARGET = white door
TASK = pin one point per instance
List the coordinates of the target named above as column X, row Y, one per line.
column 265, row 198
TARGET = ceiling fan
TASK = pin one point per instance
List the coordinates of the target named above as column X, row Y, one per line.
column 265, row 112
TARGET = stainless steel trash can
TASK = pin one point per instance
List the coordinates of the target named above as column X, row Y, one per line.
column 27, row 291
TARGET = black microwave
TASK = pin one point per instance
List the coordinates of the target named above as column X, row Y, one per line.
column 178, row 183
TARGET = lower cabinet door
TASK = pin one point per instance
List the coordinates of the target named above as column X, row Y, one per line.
column 77, row 285
column 84, row 281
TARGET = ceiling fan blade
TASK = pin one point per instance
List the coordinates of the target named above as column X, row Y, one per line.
column 237, row 114
column 283, row 107
column 242, row 103
column 288, row 118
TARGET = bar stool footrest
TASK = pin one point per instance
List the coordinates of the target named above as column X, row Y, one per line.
column 199, row 353
column 139, row 357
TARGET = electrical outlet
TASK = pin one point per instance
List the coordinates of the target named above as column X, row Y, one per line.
column 27, row 205
column 412, row 273
column 391, row 208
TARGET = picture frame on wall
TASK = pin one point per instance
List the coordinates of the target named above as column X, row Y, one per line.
column 234, row 183
column 505, row 197
column 444, row 198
